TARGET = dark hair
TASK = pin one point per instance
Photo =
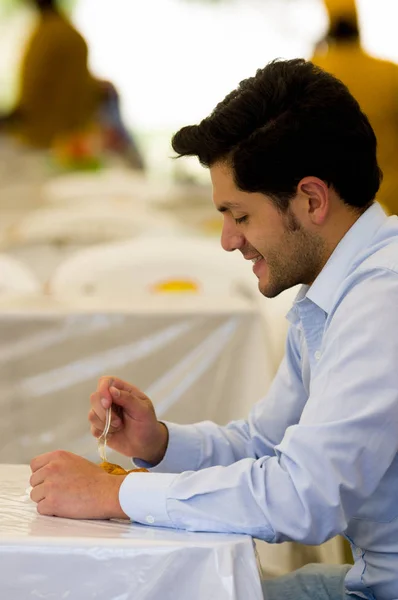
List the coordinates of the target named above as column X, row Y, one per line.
column 344, row 29
column 45, row 4
column 289, row 121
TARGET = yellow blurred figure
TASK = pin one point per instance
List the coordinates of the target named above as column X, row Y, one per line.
column 61, row 106
column 58, row 95
column 341, row 8
column 373, row 82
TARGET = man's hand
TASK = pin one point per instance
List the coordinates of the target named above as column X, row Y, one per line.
column 135, row 430
column 67, row 485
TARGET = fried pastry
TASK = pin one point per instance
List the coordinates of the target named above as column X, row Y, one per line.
column 113, row 469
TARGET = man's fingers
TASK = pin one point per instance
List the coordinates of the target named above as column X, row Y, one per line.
column 122, row 397
column 103, row 386
column 100, row 401
column 126, row 400
column 98, row 432
column 38, row 477
column 96, row 420
column 40, row 461
column 112, row 390
column 96, row 404
column 121, row 400
column 99, row 424
column 95, row 432
column 97, row 414
column 106, row 382
column 38, row 493
column 44, row 508
column 103, row 395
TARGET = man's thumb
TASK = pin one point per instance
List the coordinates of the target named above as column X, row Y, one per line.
column 119, row 398
column 114, row 392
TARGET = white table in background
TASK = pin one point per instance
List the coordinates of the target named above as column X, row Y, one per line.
column 197, row 358
column 52, row 558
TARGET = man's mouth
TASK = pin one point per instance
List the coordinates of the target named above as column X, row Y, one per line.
column 257, row 268
column 256, row 259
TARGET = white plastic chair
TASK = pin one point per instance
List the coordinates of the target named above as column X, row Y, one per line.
column 16, row 278
column 92, row 224
column 154, row 265
column 110, row 183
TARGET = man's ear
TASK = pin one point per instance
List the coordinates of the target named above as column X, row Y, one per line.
column 315, row 194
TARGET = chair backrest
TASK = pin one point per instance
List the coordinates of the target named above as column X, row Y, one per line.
column 91, row 224
column 16, row 278
column 154, row 265
column 110, row 183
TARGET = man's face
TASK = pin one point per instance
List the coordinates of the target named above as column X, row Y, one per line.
column 284, row 253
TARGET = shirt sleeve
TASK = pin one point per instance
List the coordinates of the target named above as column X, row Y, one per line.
column 202, row 445
column 328, row 463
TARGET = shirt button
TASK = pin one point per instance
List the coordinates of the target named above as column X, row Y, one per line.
column 317, row 355
column 150, row 519
column 358, row 551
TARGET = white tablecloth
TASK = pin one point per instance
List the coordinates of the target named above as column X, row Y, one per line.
column 47, row 557
column 196, row 359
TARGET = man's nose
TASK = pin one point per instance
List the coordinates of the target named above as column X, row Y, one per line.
column 231, row 238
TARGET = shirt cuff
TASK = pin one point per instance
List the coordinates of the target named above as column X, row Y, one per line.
column 143, row 497
column 183, row 450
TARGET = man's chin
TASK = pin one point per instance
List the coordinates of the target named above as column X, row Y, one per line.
column 270, row 290
column 265, row 290
column 268, row 293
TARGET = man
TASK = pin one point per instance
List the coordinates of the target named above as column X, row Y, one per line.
column 294, row 171
column 373, row 82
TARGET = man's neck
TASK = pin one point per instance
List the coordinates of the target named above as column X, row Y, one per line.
column 341, row 221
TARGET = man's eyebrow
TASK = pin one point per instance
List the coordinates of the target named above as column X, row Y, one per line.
column 226, row 206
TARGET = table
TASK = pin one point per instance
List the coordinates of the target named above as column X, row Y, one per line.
column 195, row 357
column 53, row 558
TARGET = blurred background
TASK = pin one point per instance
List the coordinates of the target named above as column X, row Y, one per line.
column 167, row 73
column 110, row 259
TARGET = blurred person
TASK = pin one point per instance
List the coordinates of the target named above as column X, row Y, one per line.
column 373, row 82
column 294, row 171
column 117, row 138
column 60, row 103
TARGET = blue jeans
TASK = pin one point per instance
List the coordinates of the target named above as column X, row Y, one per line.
column 312, row 582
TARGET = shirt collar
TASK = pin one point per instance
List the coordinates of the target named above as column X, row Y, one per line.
column 357, row 238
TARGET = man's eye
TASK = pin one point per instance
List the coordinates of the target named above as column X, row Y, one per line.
column 241, row 220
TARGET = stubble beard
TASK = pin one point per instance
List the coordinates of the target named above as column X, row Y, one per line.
column 298, row 259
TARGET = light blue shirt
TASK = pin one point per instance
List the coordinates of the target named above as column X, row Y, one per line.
column 318, row 455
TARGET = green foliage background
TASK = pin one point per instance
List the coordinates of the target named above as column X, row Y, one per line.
column 7, row 7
